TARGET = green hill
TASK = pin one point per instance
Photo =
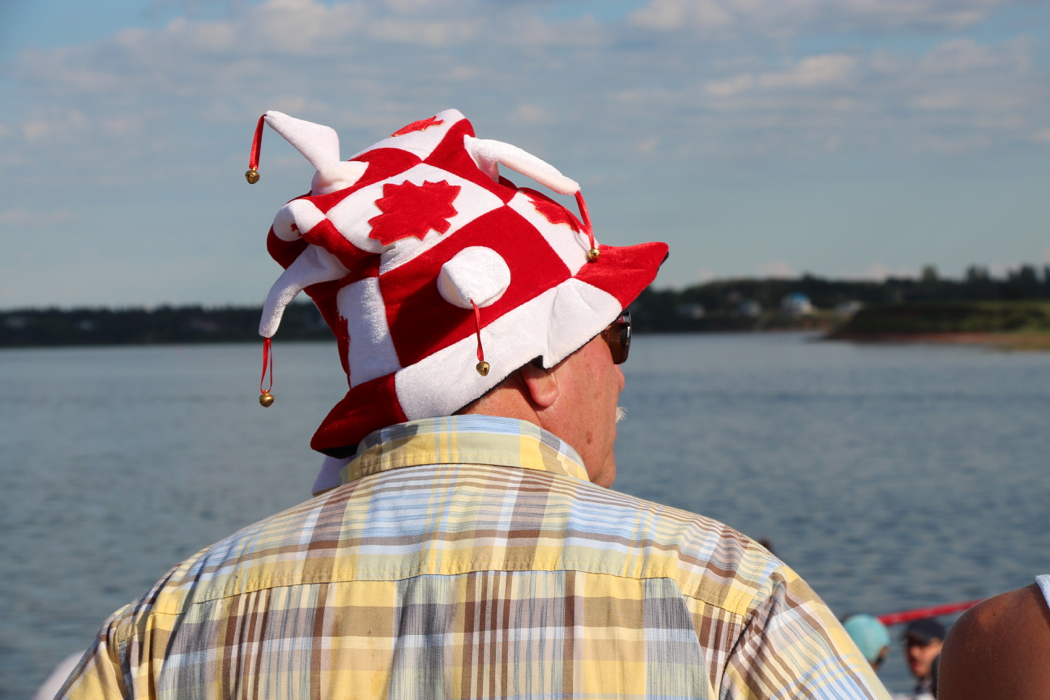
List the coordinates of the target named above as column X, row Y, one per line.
column 949, row 317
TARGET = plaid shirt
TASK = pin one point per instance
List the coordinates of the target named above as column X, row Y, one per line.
column 469, row 557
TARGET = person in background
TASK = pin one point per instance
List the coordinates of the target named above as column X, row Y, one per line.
column 922, row 644
column 1000, row 648
column 463, row 542
column 870, row 636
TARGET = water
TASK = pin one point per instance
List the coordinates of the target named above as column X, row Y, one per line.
column 888, row 477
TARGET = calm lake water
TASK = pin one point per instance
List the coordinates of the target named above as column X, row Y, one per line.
column 889, row 477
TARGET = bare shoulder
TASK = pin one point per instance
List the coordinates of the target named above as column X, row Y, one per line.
column 999, row 649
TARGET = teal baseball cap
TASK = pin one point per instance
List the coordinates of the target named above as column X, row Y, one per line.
column 868, row 634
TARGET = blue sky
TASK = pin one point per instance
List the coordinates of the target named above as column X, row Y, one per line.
column 846, row 138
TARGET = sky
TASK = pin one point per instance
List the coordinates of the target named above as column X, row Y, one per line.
column 843, row 138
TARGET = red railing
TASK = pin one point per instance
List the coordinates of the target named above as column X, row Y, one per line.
column 897, row 618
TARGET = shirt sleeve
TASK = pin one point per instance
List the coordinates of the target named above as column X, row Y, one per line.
column 99, row 675
column 792, row 646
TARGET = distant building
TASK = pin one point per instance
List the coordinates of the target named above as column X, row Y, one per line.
column 848, row 308
column 690, row 310
column 796, row 304
column 749, row 307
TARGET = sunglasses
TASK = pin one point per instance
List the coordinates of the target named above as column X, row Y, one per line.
column 617, row 335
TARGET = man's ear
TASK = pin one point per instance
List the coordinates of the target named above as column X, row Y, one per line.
column 541, row 385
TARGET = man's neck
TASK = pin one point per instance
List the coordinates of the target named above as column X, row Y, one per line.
column 508, row 400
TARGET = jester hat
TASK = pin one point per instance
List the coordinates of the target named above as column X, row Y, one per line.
column 430, row 268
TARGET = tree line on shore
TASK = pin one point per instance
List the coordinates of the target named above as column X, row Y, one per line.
column 771, row 303
column 736, row 304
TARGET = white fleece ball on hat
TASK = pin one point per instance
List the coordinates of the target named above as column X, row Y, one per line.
column 475, row 274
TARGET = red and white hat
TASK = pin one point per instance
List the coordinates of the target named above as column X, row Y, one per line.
column 423, row 260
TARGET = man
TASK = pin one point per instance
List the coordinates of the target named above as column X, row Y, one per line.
column 1000, row 648
column 922, row 645
column 462, row 543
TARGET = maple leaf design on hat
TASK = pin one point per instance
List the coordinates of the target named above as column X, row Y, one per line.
column 413, row 210
column 551, row 210
column 421, row 125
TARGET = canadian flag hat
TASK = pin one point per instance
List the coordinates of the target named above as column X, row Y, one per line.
column 423, row 260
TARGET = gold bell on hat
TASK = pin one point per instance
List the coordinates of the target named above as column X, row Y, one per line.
column 592, row 254
column 482, row 367
column 265, row 397
column 252, row 176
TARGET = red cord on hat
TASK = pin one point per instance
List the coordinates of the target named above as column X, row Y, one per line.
column 252, row 176
column 482, row 367
column 592, row 254
column 266, row 398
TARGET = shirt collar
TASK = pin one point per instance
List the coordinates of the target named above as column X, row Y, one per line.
column 469, row 439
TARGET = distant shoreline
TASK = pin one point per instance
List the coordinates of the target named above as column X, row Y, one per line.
column 1021, row 324
column 1008, row 325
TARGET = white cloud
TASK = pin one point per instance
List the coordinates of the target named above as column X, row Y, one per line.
column 730, row 86
column 405, row 6
column 785, row 18
column 533, row 114
column 998, row 269
column 812, row 71
column 37, row 219
column 878, row 272
column 705, row 275
column 920, row 13
column 122, row 126
column 966, row 55
column 947, row 145
column 1042, row 136
column 667, row 15
column 301, row 27
column 430, row 33
column 941, row 99
column 776, row 269
column 60, row 128
column 647, row 146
